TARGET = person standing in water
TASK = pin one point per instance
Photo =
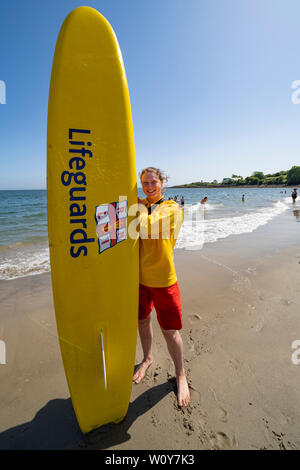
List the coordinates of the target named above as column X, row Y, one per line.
column 294, row 195
column 158, row 280
column 243, row 198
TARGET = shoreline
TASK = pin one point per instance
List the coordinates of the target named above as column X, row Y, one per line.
column 241, row 303
column 34, row 259
column 230, row 186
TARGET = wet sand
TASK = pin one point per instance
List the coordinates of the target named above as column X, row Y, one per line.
column 241, row 304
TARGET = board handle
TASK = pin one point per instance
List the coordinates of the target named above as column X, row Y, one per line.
column 103, row 359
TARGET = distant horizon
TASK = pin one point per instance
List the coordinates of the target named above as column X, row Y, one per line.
column 140, row 187
column 177, row 187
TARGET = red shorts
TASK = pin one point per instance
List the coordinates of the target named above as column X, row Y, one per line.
column 167, row 303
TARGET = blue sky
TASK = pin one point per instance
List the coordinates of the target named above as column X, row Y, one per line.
column 209, row 81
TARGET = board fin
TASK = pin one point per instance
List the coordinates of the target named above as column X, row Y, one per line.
column 103, row 359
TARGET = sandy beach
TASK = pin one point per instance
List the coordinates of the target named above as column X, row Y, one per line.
column 241, row 303
column 192, row 109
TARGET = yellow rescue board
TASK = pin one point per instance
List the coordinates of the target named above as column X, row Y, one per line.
column 91, row 183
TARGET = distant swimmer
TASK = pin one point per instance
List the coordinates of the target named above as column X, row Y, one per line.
column 182, row 200
column 203, row 201
column 294, row 195
column 243, row 198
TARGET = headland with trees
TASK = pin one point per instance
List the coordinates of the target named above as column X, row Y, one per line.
column 257, row 179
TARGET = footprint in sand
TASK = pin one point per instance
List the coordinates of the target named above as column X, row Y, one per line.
column 240, row 284
column 155, row 420
column 155, row 373
column 191, row 342
column 222, row 414
column 289, row 420
column 220, row 441
column 234, row 364
column 259, row 326
column 286, row 302
column 195, row 395
column 188, row 424
column 194, row 318
column 251, row 270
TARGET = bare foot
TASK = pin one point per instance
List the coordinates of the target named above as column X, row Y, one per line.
column 183, row 393
column 141, row 370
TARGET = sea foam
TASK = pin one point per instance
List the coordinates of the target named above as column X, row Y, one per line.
column 22, row 263
column 20, row 260
column 196, row 231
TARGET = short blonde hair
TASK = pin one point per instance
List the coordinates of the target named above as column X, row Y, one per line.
column 151, row 169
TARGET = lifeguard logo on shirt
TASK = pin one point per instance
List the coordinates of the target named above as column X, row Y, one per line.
column 111, row 222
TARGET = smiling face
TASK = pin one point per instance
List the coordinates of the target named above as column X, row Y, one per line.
column 152, row 186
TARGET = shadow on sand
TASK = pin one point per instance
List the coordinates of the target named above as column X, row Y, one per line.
column 55, row 426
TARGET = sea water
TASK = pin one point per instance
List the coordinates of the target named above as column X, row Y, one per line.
column 24, row 234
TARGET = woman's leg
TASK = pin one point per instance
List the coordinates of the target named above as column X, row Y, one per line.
column 175, row 348
column 146, row 336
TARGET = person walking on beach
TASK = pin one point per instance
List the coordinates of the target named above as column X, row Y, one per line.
column 294, row 195
column 203, row 201
column 158, row 280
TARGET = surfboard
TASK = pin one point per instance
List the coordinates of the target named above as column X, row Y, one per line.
column 91, row 183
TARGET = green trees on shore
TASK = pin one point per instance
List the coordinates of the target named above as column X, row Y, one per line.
column 289, row 177
column 258, row 178
column 293, row 176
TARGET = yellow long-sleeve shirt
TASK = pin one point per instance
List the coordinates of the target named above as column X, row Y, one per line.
column 158, row 235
